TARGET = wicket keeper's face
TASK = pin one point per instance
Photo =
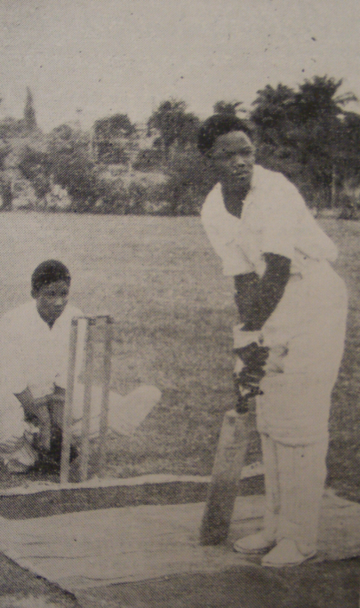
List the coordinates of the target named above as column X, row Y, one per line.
column 51, row 300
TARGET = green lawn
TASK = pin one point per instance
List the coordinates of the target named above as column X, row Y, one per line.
column 162, row 282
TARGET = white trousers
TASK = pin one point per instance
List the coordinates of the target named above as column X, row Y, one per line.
column 125, row 414
column 294, row 484
column 306, row 334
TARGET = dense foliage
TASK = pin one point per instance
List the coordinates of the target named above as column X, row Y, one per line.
column 303, row 133
column 119, row 167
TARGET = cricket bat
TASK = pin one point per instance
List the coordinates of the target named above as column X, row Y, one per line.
column 225, row 478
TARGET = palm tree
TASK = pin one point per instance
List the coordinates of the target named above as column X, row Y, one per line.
column 228, row 107
column 29, row 112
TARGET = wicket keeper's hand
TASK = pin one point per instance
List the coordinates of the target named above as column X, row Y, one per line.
column 44, row 424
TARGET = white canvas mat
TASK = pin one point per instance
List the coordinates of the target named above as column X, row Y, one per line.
column 92, row 548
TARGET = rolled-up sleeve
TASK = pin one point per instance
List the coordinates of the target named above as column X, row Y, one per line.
column 280, row 222
column 12, row 381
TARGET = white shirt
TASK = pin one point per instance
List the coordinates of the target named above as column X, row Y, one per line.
column 274, row 219
column 31, row 354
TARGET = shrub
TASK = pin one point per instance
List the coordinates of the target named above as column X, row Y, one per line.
column 148, row 160
column 189, row 182
column 112, row 153
column 72, row 166
column 36, row 167
column 112, row 197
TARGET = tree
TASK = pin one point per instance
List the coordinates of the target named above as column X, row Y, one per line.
column 228, row 107
column 190, row 179
column 318, row 111
column 36, row 167
column 316, row 99
column 29, row 112
column 72, row 166
column 174, row 124
column 118, row 125
column 5, row 149
column 271, row 113
column 349, row 145
column 304, row 127
column 11, row 128
column 111, row 137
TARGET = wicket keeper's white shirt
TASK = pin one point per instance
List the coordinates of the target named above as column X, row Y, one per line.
column 274, row 219
column 31, row 354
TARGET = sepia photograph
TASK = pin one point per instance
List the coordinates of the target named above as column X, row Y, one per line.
column 179, row 310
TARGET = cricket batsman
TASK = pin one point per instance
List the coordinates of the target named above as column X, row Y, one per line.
column 290, row 339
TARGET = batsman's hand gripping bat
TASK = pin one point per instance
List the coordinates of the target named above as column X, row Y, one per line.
column 248, row 373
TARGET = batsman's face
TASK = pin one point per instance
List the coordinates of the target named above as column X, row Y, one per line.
column 233, row 157
column 51, row 300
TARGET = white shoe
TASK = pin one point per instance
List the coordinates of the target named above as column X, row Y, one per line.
column 284, row 554
column 14, row 466
column 254, row 543
column 21, row 460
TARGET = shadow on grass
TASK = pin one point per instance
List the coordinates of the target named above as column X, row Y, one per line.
column 326, row 585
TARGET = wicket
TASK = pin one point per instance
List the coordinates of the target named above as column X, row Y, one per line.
column 68, row 407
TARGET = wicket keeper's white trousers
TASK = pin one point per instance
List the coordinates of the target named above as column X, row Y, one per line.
column 125, row 413
column 294, row 482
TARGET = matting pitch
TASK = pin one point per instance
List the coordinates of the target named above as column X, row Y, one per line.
column 92, row 548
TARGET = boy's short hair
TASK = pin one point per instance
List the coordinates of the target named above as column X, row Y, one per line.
column 221, row 124
column 48, row 272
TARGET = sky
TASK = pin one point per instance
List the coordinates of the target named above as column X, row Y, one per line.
column 87, row 59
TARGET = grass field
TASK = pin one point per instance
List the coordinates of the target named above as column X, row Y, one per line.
column 162, row 282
